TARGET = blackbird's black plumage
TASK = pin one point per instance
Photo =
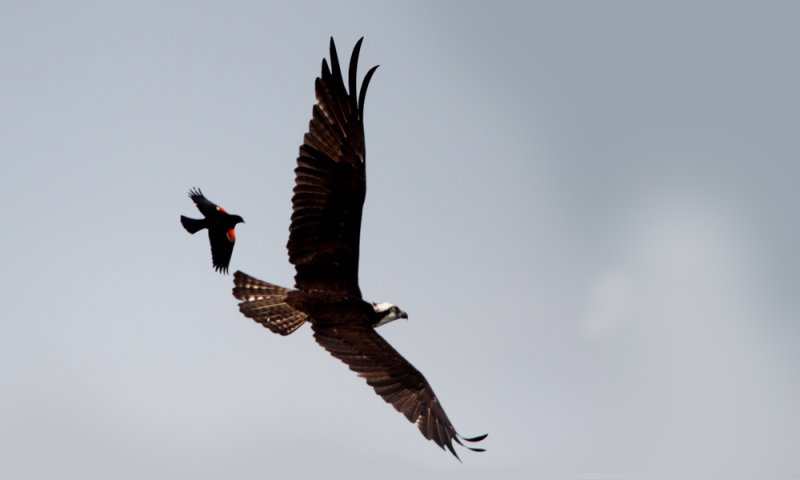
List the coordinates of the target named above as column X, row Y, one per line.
column 220, row 225
column 330, row 186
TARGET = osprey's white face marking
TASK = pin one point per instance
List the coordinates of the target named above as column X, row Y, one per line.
column 387, row 312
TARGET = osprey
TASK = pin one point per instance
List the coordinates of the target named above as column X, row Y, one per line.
column 330, row 185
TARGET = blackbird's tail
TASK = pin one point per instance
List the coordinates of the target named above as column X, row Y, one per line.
column 193, row 225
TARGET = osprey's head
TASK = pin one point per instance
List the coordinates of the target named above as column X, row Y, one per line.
column 387, row 312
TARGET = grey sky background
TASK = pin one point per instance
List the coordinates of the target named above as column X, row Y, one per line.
column 589, row 211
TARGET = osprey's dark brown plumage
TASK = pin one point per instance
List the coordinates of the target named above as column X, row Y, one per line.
column 330, row 185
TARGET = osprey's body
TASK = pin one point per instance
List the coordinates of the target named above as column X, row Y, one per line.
column 330, row 186
column 284, row 310
column 325, row 308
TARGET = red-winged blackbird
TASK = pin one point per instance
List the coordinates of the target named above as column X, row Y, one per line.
column 220, row 225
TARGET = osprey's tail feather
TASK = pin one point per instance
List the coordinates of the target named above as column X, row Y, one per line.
column 266, row 304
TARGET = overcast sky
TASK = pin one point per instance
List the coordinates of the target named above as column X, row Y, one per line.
column 589, row 211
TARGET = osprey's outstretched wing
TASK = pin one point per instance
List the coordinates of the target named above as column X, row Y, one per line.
column 330, row 184
column 393, row 378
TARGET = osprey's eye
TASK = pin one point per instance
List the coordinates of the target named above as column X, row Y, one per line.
column 393, row 309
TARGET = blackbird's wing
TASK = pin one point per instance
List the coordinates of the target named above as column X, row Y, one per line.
column 330, row 184
column 221, row 248
column 206, row 206
column 393, row 378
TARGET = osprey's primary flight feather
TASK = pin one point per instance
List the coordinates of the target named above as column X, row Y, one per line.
column 330, row 185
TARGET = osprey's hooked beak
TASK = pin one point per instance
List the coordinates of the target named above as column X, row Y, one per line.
column 386, row 312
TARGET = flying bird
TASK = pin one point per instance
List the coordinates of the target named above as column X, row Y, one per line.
column 220, row 225
column 330, row 186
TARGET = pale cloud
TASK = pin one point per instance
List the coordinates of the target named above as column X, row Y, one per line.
column 682, row 292
column 610, row 304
